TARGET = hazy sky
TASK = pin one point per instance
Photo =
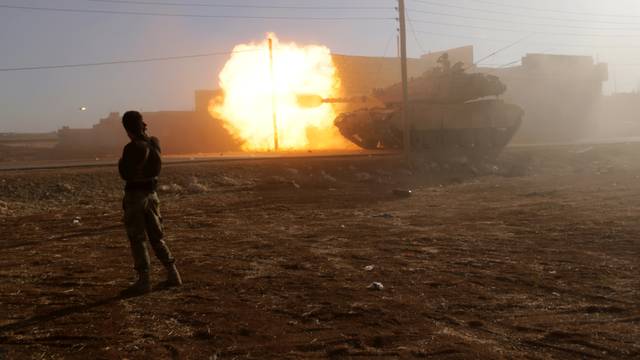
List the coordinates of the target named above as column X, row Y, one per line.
column 44, row 100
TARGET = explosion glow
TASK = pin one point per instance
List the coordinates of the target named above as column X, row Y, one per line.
column 248, row 87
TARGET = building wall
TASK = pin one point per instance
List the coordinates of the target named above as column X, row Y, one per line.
column 359, row 75
column 558, row 93
column 180, row 132
column 618, row 115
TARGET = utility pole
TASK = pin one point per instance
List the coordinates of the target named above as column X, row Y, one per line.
column 405, row 87
column 273, row 97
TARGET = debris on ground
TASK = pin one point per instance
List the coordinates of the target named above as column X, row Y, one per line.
column 292, row 171
column 171, row 188
column 383, row 215
column 227, row 181
column 64, row 188
column 195, row 186
column 375, row 286
column 4, row 208
column 583, row 150
column 276, row 179
column 363, row 176
column 405, row 172
column 402, row 192
column 327, row 177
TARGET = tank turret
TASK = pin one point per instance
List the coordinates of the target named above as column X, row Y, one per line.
column 444, row 84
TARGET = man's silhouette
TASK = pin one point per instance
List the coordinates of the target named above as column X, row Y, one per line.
column 140, row 167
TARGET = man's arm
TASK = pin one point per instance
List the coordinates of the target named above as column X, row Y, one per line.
column 133, row 156
column 155, row 143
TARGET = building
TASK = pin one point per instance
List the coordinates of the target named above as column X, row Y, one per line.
column 618, row 115
column 180, row 132
column 359, row 75
column 559, row 94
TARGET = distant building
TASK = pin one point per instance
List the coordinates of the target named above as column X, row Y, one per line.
column 559, row 94
column 618, row 115
column 180, row 132
column 359, row 75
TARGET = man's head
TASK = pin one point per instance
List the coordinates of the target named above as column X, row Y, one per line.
column 132, row 122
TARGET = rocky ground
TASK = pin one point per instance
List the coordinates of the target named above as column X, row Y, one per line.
column 536, row 257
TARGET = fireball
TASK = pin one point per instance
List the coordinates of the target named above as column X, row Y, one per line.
column 256, row 87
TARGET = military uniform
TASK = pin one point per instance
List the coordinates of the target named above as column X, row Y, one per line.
column 142, row 218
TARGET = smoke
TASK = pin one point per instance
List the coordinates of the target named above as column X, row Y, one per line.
column 253, row 91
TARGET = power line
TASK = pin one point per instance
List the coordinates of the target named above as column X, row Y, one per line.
column 378, row 73
column 461, row 36
column 503, row 49
column 386, row 46
column 138, row 13
column 130, row 61
column 523, row 31
column 243, row 6
column 520, row 22
column 146, row 60
column 553, row 10
column 509, row 63
column 534, row 42
column 496, row 67
column 415, row 36
column 528, row 15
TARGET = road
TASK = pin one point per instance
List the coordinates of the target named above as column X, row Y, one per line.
column 182, row 159
column 211, row 157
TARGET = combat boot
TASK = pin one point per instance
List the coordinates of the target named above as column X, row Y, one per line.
column 173, row 276
column 140, row 287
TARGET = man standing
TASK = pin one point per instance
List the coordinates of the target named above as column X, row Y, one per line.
column 140, row 166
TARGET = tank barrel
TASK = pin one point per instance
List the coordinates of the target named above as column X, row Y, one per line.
column 313, row 101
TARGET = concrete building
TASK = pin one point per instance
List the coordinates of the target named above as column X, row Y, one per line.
column 559, row 94
column 180, row 132
column 359, row 75
column 618, row 115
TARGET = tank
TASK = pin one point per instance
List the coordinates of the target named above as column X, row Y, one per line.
column 452, row 115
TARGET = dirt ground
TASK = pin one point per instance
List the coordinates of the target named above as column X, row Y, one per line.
column 536, row 258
